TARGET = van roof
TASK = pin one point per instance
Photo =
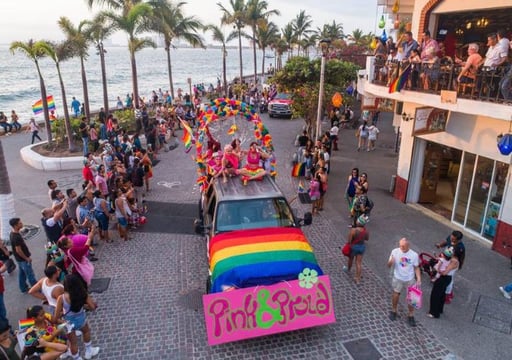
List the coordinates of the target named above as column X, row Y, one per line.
column 234, row 189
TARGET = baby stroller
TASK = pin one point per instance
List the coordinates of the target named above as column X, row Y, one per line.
column 427, row 263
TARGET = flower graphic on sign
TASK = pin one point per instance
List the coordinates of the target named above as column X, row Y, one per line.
column 307, row 278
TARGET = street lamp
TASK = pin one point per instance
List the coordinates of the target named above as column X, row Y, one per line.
column 324, row 46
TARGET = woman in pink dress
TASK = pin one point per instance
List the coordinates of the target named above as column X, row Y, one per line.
column 253, row 170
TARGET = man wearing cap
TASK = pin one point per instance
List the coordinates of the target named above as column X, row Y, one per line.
column 405, row 263
column 453, row 242
column 357, row 237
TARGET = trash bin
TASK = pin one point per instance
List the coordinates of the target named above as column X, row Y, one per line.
column 392, row 184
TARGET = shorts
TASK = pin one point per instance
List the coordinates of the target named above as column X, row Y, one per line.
column 399, row 285
column 466, row 80
column 357, row 249
column 77, row 320
column 122, row 222
column 102, row 220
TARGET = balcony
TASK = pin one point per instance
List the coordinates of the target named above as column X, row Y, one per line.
column 483, row 96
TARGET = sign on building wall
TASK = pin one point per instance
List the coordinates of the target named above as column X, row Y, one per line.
column 264, row 310
column 429, row 120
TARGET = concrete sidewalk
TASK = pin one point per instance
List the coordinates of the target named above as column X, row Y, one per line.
column 475, row 326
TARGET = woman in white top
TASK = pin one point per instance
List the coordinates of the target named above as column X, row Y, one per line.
column 48, row 288
column 373, row 132
column 362, row 134
column 34, row 129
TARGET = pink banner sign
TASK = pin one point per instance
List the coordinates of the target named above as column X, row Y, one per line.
column 264, row 310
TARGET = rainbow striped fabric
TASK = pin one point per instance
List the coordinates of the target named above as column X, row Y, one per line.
column 399, row 83
column 37, row 107
column 299, row 169
column 254, row 257
column 187, row 135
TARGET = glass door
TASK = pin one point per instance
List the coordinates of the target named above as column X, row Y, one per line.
column 464, row 188
column 480, row 192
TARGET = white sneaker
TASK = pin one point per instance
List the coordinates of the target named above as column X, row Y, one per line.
column 65, row 355
column 91, row 352
column 78, row 333
column 506, row 294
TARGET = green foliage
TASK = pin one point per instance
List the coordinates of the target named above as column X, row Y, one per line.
column 301, row 77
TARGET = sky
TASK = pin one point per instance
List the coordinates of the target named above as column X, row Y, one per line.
column 36, row 19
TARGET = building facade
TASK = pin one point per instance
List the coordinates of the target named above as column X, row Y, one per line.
column 449, row 160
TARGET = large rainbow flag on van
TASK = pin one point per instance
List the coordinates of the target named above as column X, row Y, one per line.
column 252, row 257
column 37, row 108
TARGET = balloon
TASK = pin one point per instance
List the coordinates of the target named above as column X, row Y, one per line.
column 142, row 220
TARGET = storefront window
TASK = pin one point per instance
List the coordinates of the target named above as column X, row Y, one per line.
column 479, row 195
column 496, row 196
column 464, row 188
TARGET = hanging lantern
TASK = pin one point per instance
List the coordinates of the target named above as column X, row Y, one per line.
column 382, row 22
column 384, row 36
column 337, row 100
column 396, row 7
column 373, row 44
column 505, row 144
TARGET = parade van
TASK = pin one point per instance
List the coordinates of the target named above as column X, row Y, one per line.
column 263, row 276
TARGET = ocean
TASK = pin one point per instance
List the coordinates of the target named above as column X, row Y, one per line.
column 19, row 82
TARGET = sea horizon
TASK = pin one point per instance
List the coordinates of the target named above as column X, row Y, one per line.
column 204, row 66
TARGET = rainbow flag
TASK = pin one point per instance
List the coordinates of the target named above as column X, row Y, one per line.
column 25, row 323
column 399, row 83
column 37, row 107
column 187, row 135
column 259, row 257
column 299, row 169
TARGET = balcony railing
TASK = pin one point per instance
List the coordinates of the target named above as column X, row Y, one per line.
column 493, row 84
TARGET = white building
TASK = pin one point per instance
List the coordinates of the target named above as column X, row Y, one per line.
column 448, row 158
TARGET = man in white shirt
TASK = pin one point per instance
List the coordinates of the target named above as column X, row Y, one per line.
column 333, row 134
column 495, row 55
column 405, row 263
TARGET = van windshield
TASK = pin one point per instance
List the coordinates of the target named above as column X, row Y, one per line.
column 253, row 214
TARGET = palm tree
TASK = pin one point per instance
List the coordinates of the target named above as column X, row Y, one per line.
column 235, row 16
column 32, row 49
column 78, row 38
column 267, row 35
column 356, row 37
column 134, row 22
column 280, row 47
column 218, row 36
column 170, row 21
column 256, row 15
column 288, row 35
column 302, row 27
column 98, row 30
column 6, row 199
column 60, row 52
column 332, row 31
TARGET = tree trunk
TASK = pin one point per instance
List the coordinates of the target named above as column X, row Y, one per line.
column 263, row 63
column 254, row 56
column 169, row 68
column 224, row 75
column 67, row 124
column 86, row 92
column 135, row 83
column 45, row 105
column 240, row 54
column 6, row 199
column 104, row 79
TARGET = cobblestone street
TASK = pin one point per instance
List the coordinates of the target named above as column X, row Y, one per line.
column 152, row 308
